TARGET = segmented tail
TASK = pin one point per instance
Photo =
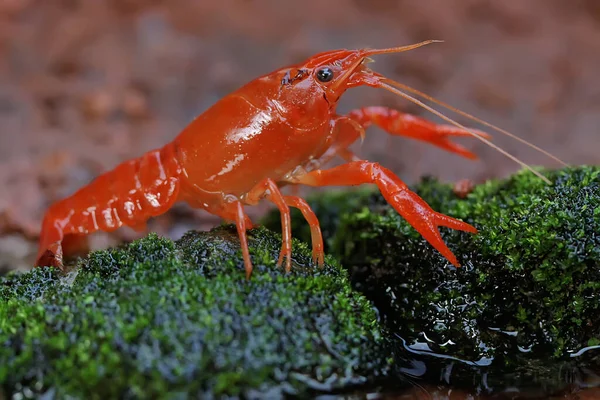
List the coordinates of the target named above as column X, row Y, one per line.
column 128, row 195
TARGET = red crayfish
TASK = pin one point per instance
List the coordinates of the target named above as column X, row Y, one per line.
column 278, row 129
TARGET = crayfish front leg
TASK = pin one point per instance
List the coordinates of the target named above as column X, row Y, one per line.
column 234, row 211
column 318, row 254
column 412, row 207
column 268, row 188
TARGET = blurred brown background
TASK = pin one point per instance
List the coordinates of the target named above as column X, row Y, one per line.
column 86, row 84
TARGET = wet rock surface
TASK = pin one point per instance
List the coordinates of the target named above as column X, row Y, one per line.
column 522, row 312
column 518, row 319
column 155, row 318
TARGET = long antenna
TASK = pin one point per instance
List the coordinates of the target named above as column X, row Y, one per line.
column 450, row 120
column 464, row 114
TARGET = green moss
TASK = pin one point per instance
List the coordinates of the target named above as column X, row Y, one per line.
column 528, row 291
column 159, row 318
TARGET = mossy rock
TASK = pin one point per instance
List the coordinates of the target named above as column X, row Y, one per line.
column 524, row 309
column 158, row 318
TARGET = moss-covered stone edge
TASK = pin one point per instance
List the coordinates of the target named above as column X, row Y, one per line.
column 81, row 334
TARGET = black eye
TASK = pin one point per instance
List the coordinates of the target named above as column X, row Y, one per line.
column 325, row 74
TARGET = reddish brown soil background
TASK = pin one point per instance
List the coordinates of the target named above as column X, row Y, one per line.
column 86, row 84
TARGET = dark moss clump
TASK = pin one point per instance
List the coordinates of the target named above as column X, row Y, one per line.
column 528, row 293
column 159, row 318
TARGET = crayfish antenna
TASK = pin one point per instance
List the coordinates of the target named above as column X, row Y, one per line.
column 450, row 120
column 364, row 57
column 473, row 118
column 400, row 49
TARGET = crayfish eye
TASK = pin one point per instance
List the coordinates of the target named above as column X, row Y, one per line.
column 325, row 74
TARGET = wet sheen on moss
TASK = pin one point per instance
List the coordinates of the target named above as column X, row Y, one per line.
column 528, row 292
column 159, row 318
